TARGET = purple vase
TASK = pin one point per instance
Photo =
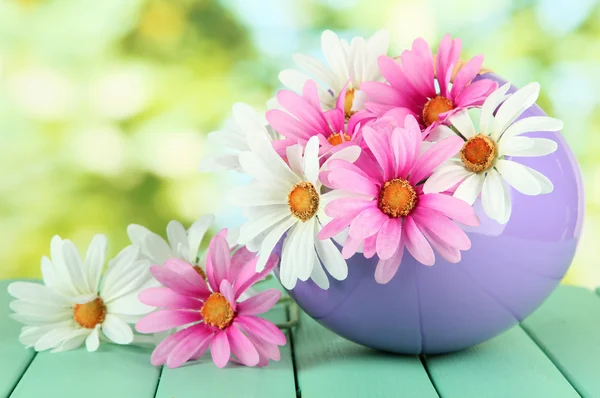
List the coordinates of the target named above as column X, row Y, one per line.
column 508, row 272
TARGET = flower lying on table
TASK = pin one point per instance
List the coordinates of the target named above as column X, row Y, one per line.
column 210, row 314
column 74, row 305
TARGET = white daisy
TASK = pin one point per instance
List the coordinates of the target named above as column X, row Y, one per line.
column 286, row 200
column 74, row 305
column 348, row 63
column 228, row 143
column 481, row 167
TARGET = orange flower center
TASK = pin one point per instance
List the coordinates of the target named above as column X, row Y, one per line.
column 434, row 107
column 90, row 314
column 397, row 198
column 348, row 100
column 303, row 200
column 478, row 153
column 335, row 139
column 217, row 311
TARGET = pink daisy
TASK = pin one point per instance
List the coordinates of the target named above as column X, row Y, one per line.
column 385, row 206
column 411, row 83
column 305, row 119
column 211, row 314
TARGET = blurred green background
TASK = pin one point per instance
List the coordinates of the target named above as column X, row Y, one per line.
column 105, row 105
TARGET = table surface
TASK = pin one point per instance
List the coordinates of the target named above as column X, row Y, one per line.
column 554, row 353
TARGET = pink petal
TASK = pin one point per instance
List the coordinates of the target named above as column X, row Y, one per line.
column 302, row 109
column 161, row 352
column 187, row 271
column 238, row 260
column 348, row 207
column 351, row 246
column 434, row 156
column 201, row 349
column 218, row 262
column 248, row 275
column 449, row 253
column 369, row 248
column 475, row 93
column 334, row 227
column 178, row 283
column 367, row 223
column 418, row 66
column 162, row 320
column 388, row 238
column 261, row 328
column 386, row 269
column 451, row 207
column 379, row 144
column 226, row 289
column 167, row 298
column 416, row 243
column 344, row 164
column 288, row 126
column 220, row 350
column 336, row 120
column 259, row 303
column 447, row 56
column 351, row 181
column 465, row 75
column 265, row 350
column 408, row 97
column 383, row 94
column 310, row 93
column 242, row 347
column 188, row 346
column 406, row 144
column 442, row 227
column 360, row 118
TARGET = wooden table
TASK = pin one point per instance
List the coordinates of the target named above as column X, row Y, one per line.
column 554, row 353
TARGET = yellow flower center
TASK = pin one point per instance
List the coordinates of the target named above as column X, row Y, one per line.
column 217, row 311
column 348, row 100
column 434, row 107
column 303, row 200
column 90, row 314
column 336, row 138
column 478, row 153
column 199, row 271
column 397, row 198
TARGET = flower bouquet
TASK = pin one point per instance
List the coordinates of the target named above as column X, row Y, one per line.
column 420, row 204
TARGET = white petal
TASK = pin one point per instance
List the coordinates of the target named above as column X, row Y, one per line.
column 255, row 227
column 336, row 58
column 53, row 338
column 493, row 196
column 439, row 133
column 73, row 340
column 31, row 334
column 92, row 342
column 318, row 276
column 331, row 258
column 445, row 177
column 293, row 79
column 47, row 311
column 124, row 263
column 116, row 330
column 518, row 177
column 463, row 123
column 269, row 242
column 196, row 234
column 349, row 154
column 255, row 194
column 533, row 124
column 513, row 107
column 94, row 261
column 137, row 233
column 36, row 293
column 304, row 248
column 539, row 147
column 470, row 188
column 294, row 157
column 49, row 275
column 506, row 147
column 268, row 174
column 489, row 107
column 75, row 268
column 311, row 160
column 315, row 68
column 177, row 236
column 129, row 304
column 125, row 280
column 64, row 282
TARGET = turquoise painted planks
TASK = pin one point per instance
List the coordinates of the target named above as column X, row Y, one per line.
column 112, row 371
column 204, row 379
column 14, row 358
column 509, row 365
column 567, row 328
column 329, row 366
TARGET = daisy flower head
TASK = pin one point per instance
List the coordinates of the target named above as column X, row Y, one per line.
column 231, row 141
column 389, row 210
column 210, row 315
column 411, row 83
column 305, row 119
column 349, row 65
column 284, row 200
column 75, row 303
column 482, row 167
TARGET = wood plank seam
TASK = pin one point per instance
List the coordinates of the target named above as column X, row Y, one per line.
column 431, row 380
column 291, row 332
column 552, row 359
column 22, row 374
column 158, row 380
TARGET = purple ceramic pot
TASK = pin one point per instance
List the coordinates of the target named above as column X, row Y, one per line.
column 508, row 272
